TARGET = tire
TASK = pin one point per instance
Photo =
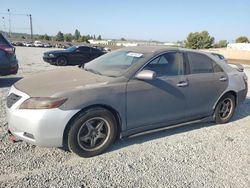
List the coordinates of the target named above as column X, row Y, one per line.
column 61, row 61
column 224, row 109
column 92, row 132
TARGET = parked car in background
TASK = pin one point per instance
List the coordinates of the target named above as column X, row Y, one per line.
column 75, row 55
column 38, row 43
column 107, row 49
column 47, row 45
column 17, row 44
column 29, row 44
column 8, row 61
column 123, row 93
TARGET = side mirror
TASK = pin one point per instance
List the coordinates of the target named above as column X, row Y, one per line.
column 77, row 51
column 146, row 75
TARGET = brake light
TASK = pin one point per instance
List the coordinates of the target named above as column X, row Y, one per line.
column 7, row 49
column 245, row 78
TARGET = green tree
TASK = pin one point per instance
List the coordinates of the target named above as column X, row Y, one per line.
column 68, row 37
column 46, row 37
column 99, row 37
column 221, row 44
column 123, row 39
column 242, row 39
column 83, row 39
column 88, row 37
column 77, row 35
column 199, row 40
column 59, row 36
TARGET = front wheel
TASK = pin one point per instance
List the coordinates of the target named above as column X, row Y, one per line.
column 92, row 132
column 61, row 61
column 224, row 109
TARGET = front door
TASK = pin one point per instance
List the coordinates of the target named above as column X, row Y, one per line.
column 159, row 100
column 82, row 55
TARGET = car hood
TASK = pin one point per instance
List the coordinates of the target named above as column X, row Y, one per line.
column 60, row 81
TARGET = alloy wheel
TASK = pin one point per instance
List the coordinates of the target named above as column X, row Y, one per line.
column 93, row 134
column 226, row 108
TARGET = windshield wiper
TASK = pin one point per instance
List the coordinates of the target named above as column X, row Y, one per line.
column 93, row 71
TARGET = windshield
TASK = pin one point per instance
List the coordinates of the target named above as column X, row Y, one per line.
column 114, row 63
column 71, row 49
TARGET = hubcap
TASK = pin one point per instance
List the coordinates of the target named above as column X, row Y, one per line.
column 226, row 108
column 93, row 134
column 61, row 61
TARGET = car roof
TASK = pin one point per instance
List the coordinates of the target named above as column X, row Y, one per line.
column 148, row 49
column 158, row 49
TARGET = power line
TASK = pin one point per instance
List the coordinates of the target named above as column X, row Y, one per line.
column 17, row 14
column 14, row 14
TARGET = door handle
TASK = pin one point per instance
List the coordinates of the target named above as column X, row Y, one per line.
column 223, row 79
column 182, row 84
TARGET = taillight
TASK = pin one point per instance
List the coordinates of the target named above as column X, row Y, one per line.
column 245, row 78
column 7, row 49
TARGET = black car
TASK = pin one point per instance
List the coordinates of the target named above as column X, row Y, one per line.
column 8, row 61
column 75, row 55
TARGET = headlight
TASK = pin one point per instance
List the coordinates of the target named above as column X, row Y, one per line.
column 42, row 103
column 51, row 55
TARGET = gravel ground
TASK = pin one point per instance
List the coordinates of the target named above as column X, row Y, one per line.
column 198, row 155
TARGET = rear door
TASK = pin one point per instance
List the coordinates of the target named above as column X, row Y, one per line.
column 161, row 100
column 206, row 82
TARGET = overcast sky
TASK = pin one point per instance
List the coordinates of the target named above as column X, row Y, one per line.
column 161, row 20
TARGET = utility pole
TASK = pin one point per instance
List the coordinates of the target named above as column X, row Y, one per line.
column 9, row 24
column 4, row 28
column 31, row 28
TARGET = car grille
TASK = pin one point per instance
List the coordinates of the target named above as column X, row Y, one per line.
column 12, row 99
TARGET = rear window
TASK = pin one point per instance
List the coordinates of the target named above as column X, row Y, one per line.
column 217, row 68
column 199, row 63
column 96, row 51
column 3, row 41
column 84, row 49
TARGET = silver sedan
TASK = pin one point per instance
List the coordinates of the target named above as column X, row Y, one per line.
column 126, row 92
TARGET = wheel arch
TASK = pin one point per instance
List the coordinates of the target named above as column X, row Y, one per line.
column 62, row 55
column 234, row 93
column 84, row 110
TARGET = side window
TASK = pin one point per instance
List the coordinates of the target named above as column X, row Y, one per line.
column 199, row 63
column 95, row 51
column 169, row 64
column 216, row 67
column 84, row 49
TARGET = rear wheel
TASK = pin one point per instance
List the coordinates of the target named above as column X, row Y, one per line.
column 92, row 132
column 61, row 61
column 224, row 109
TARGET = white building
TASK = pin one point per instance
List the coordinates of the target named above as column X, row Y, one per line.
column 99, row 42
column 239, row 46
